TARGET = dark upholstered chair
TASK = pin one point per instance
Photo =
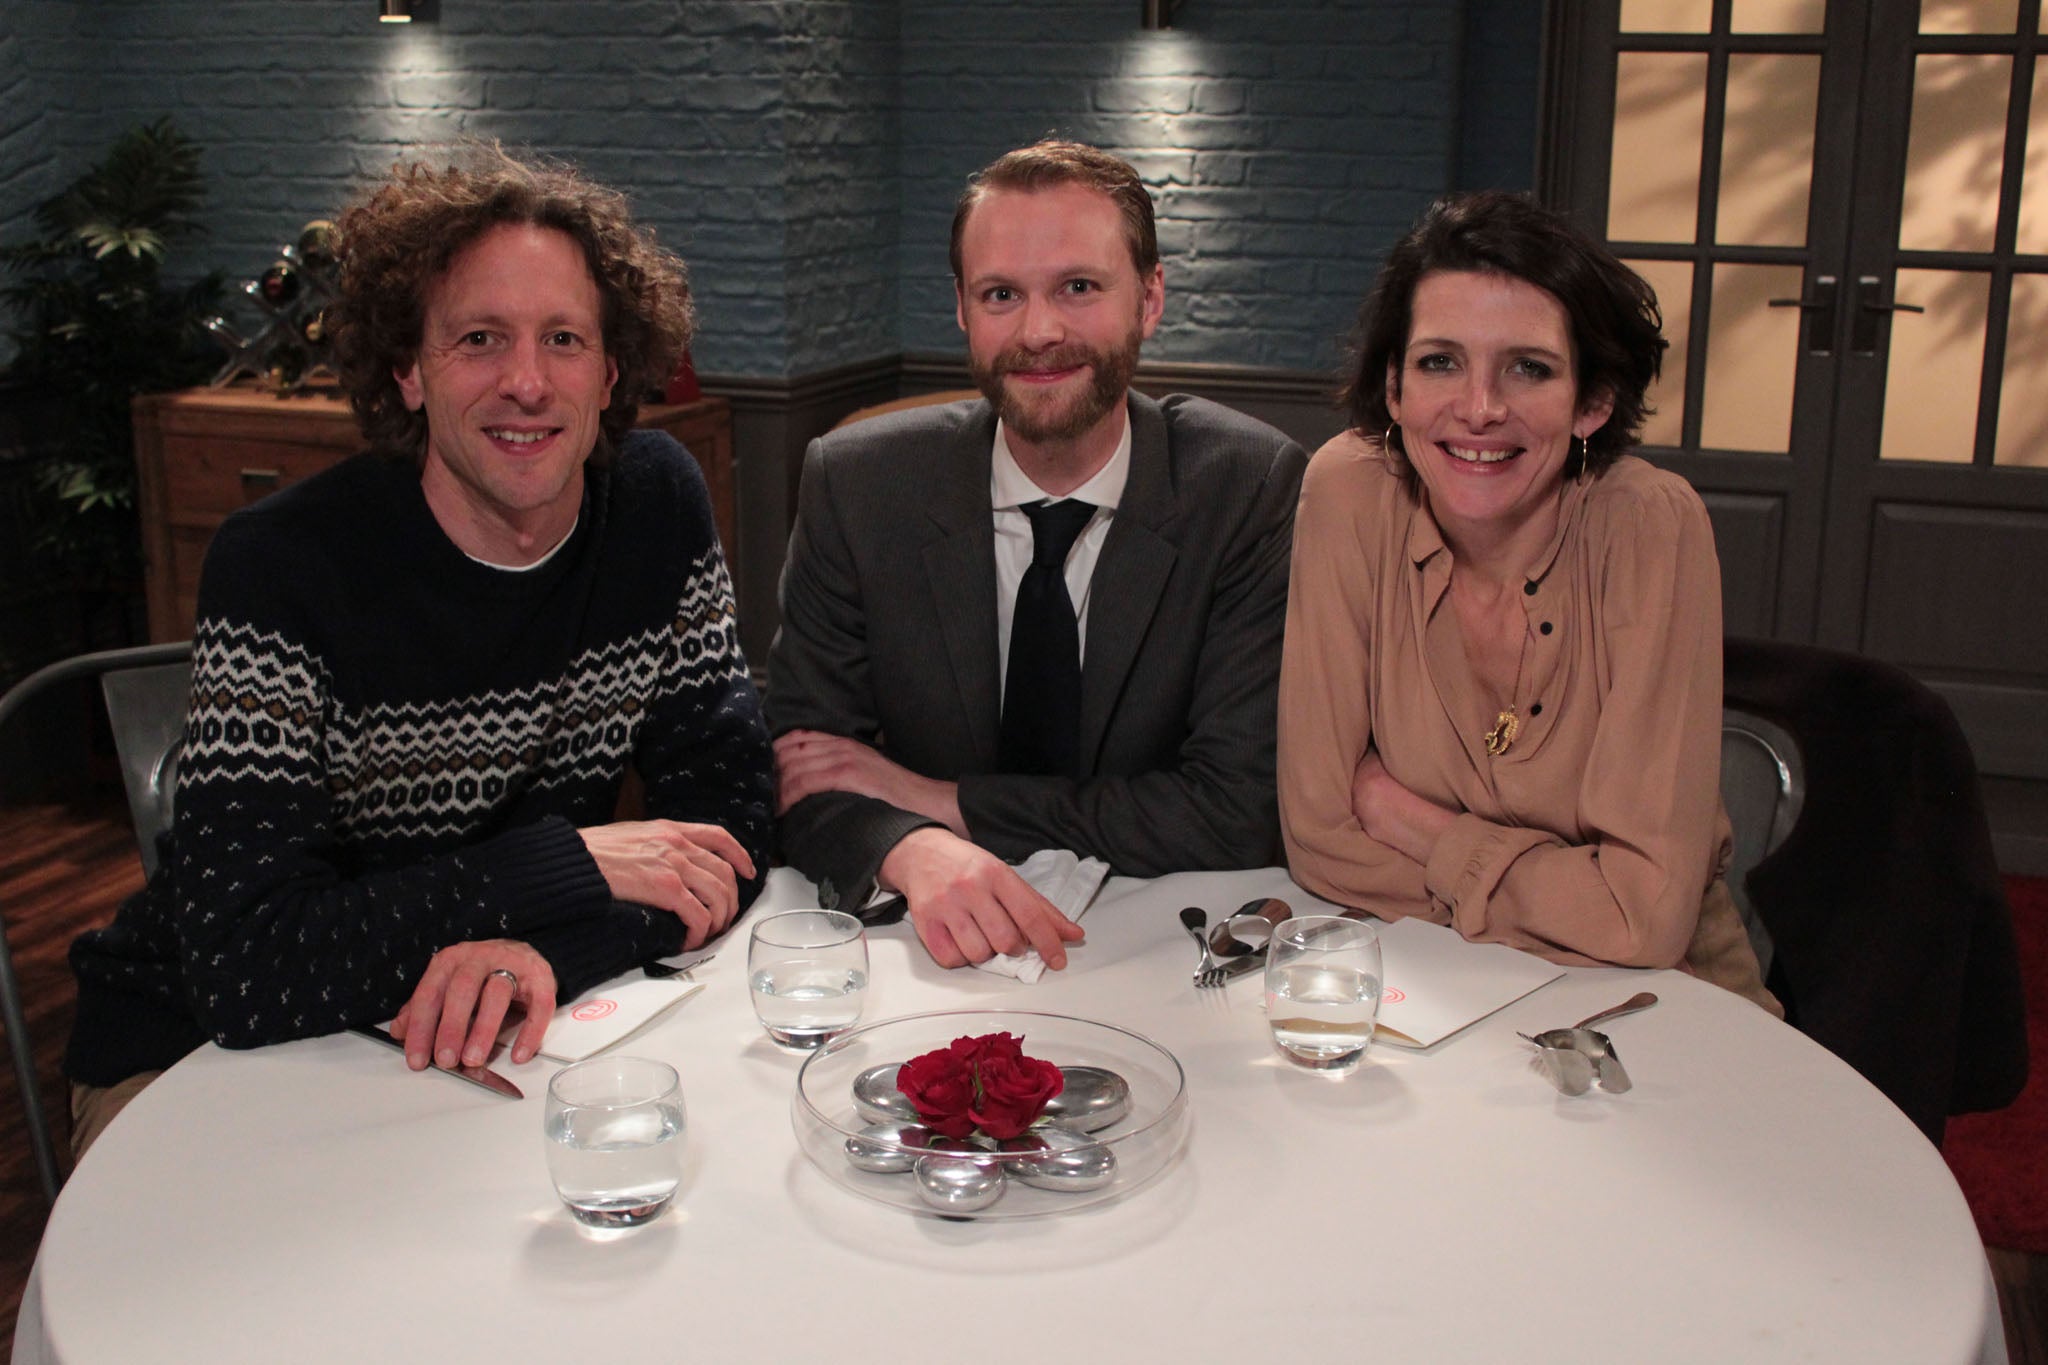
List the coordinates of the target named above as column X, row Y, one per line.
column 1891, row 942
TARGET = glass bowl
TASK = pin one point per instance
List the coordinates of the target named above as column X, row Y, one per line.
column 1145, row 1141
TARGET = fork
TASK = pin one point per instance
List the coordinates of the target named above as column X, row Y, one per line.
column 1209, row 972
column 661, row 970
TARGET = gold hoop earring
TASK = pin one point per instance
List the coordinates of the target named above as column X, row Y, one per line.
column 1387, row 439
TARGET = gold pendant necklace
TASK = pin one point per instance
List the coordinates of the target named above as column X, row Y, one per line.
column 1507, row 724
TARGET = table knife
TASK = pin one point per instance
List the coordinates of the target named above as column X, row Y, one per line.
column 1239, row 966
column 475, row 1075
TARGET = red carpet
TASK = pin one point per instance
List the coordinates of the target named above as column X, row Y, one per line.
column 2001, row 1159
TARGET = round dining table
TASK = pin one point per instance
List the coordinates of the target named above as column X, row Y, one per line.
column 1750, row 1199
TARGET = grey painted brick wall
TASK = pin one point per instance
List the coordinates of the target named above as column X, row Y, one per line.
column 841, row 139
column 685, row 104
column 1286, row 143
column 26, row 161
column 803, row 155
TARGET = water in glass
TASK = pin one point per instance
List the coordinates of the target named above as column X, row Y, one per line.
column 1322, row 1014
column 1323, row 977
column 616, row 1170
column 808, row 972
column 803, row 1002
column 614, row 1139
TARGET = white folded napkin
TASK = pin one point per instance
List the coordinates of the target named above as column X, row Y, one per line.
column 1066, row 879
column 609, row 1014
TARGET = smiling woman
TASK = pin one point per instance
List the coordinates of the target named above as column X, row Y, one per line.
column 1500, row 698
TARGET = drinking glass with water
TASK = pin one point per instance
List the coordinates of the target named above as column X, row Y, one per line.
column 614, row 1128
column 1323, row 989
column 808, row 970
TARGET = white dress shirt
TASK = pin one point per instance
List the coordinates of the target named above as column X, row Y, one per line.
column 1009, row 489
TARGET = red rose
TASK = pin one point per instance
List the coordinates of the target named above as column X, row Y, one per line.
column 940, row 1086
column 994, row 1045
column 986, row 1082
column 1013, row 1092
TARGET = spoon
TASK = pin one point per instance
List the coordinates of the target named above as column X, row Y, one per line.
column 1579, row 1034
column 1577, row 1054
column 1208, row 971
column 1574, row 1056
column 1257, row 919
column 1640, row 1001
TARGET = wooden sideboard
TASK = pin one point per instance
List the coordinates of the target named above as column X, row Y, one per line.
column 202, row 453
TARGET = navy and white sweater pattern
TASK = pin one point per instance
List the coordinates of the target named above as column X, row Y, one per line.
column 391, row 747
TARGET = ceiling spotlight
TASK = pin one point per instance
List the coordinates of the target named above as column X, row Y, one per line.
column 1157, row 14
column 394, row 11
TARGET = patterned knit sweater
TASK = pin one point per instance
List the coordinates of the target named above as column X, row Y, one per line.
column 391, row 747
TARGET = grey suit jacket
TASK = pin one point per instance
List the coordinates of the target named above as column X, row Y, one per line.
column 889, row 636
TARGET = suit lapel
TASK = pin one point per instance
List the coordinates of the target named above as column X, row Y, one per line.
column 1130, row 577
column 960, row 566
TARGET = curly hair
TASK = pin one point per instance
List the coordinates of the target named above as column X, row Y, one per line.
column 403, row 235
column 1051, row 163
column 1617, row 331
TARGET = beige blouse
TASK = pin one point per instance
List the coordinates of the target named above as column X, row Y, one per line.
column 1596, row 837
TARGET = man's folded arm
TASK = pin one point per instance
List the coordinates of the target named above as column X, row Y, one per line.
column 819, row 666
column 586, row 953
column 703, row 750
column 278, row 944
column 839, row 839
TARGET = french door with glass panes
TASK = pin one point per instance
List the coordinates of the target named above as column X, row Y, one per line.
column 1843, row 208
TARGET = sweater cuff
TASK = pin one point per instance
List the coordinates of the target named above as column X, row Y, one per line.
column 539, row 874
column 588, row 954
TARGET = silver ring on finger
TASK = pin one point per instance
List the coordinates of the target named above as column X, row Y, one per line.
column 511, row 979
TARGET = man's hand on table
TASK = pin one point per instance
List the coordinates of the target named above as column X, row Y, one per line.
column 967, row 905
column 455, row 1012
column 808, row 762
column 689, row 870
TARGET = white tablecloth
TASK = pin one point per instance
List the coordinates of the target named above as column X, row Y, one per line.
column 1752, row 1199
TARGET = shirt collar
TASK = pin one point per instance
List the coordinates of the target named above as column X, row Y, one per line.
column 1426, row 538
column 1010, row 487
column 1431, row 555
column 526, row 568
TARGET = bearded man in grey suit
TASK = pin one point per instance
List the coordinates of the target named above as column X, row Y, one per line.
column 1050, row 619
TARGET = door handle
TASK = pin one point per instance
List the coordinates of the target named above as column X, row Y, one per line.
column 1869, row 308
column 1819, row 307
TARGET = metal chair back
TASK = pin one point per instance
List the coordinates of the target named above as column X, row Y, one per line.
column 140, row 731
column 146, row 707
column 1763, row 786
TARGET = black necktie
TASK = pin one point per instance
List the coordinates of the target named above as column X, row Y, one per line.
column 1042, row 688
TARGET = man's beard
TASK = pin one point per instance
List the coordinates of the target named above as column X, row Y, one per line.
column 1109, row 378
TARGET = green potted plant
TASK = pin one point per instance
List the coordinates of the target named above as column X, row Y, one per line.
column 94, row 324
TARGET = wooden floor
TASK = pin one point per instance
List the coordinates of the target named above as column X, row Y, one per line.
column 63, row 870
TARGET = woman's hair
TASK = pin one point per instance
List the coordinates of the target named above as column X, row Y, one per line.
column 401, row 238
column 1617, row 331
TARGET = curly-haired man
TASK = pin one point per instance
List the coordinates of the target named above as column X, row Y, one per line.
column 419, row 678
